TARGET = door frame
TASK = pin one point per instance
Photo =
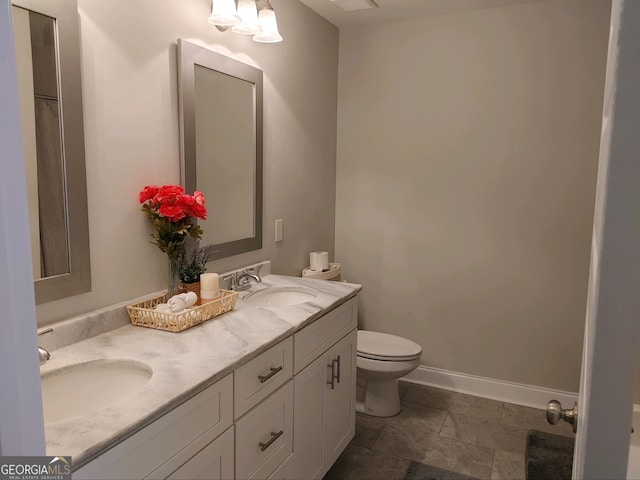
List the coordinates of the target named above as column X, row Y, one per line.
column 21, row 420
column 612, row 327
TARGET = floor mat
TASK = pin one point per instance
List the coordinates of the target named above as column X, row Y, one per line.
column 548, row 456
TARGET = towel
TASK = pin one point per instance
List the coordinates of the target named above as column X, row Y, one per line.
column 176, row 304
column 179, row 302
column 163, row 307
column 191, row 298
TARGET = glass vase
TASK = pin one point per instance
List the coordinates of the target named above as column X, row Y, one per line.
column 174, row 283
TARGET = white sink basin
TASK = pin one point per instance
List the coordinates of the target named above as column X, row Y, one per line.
column 280, row 296
column 87, row 387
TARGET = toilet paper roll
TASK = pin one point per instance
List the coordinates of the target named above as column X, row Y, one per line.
column 319, row 261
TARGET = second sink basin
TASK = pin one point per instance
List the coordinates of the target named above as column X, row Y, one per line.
column 280, row 296
column 86, row 387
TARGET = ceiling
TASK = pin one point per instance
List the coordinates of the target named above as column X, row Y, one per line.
column 387, row 10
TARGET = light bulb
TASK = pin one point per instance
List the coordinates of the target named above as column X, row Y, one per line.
column 267, row 20
column 223, row 13
column 249, row 14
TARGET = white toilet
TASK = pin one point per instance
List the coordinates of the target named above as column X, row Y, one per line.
column 381, row 360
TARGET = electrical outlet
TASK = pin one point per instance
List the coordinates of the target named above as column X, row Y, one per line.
column 279, row 230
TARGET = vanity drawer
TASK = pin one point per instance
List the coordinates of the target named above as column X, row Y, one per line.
column 314, row 340
column 213, row 462
column 264, row 436
column 160, row 446
column 284, row 471
column 260, row 377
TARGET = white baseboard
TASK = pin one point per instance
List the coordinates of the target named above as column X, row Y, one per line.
column 517, row 393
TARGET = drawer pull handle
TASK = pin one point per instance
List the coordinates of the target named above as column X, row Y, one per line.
column 264, row 378
column 338, row 376
column 274, row 437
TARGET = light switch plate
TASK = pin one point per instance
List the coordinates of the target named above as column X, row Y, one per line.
column 279, row 230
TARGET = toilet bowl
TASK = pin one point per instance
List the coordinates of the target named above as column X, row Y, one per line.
column 381, row 360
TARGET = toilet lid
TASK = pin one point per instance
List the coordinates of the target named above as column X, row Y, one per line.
column 383, row 346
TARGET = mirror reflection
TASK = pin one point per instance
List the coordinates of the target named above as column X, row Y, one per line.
column 221, row 135
column 225, row 154
column 47, row 46
column 42, row 142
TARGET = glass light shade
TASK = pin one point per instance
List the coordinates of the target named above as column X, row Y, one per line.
column 248, row 12
column 223, row 13
column 267, row 20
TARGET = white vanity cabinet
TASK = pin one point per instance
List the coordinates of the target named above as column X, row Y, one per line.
column 288, row 413
column 324, row 400
column 169, row 445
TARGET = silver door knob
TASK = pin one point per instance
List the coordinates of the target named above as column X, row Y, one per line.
column 555, row 413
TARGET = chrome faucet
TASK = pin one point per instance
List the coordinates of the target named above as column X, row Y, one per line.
column 43, row 354
column 242, row 281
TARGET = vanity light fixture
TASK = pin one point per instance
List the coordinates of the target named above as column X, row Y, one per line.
column 267, row 20
column 223, row 14
column 249, row 15
column 252, row 17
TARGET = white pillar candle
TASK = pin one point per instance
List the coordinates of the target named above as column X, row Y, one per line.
column 209, row 281
column 209, row 287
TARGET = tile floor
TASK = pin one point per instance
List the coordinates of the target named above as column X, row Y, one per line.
column 465, row 434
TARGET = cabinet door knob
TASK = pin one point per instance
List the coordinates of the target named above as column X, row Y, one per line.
column 272, row 372
column 274, row 437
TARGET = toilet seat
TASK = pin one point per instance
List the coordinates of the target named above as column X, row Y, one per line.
column 385, row 347
column 382, row 358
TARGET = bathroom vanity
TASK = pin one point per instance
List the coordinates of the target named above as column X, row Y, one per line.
column 260, row 392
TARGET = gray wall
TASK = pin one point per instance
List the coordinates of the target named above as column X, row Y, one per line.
column 467, row 153
column 130, row 94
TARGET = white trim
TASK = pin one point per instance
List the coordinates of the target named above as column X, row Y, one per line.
column 517, row 393
column 21, row 424
column 609, row 360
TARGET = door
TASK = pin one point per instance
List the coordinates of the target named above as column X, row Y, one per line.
column 612, row 329
column 308, row 423
column 324, row 409
column 21, row 424
column 340, row 398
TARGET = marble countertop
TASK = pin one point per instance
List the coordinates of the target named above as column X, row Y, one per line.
column 183, row 363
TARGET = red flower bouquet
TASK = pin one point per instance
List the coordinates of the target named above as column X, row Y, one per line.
column 173, row 215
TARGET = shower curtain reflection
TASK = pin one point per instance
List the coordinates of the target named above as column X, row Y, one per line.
column 54, row 257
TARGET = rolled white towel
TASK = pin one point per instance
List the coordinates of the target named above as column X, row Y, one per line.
column 163, row 307
column 177, row 303
column 190, row 298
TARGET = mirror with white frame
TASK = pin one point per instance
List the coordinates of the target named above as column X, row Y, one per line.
column 47, row 46
column 221, row 140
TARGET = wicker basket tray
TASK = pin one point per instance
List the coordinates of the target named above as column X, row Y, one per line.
column 144, row 313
